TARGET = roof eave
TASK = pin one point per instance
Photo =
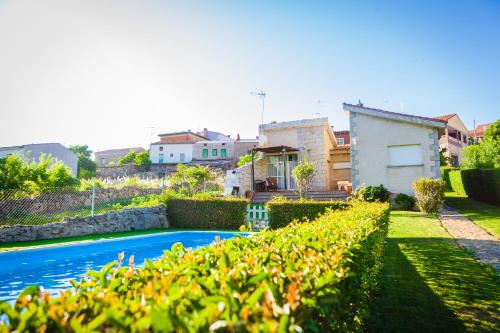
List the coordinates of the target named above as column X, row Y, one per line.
column 395, row 116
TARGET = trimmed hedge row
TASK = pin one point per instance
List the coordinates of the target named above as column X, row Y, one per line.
column 283, row 212
column 455, row 178
column 312, row 277
column 445, row 175
column 482, row 184
column 207, row 213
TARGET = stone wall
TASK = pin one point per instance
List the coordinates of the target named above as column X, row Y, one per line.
column 117, row 221
column 117, row 171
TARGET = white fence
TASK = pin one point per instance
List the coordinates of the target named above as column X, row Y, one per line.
column 257, row 216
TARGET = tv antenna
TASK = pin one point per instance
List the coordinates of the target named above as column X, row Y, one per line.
column 262, row 95
column 151, row 132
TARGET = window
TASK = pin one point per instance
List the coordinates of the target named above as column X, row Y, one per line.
column 214, row 152
column 340, row 141
column 103, row 161
column 183, row 157
column 161, row 148
column 205, row 153
column 405, row 155
column 160, row 158
column 223, row 152
column 223, row 144
column 171, row 155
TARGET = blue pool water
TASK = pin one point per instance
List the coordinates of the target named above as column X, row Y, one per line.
column 53, row 267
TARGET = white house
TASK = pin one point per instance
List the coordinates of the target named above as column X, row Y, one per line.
column 174, row 148
column 33, row 152
column 392, row 149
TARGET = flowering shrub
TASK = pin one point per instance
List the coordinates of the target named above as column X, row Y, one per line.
column 429, row 194
column 311, row 277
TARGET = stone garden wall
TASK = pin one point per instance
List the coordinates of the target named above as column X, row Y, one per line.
column 117, row 221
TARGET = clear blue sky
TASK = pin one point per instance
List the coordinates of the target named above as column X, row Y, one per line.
column 102, row 72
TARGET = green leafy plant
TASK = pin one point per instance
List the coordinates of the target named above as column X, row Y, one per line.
column 142, row 161
column 46, row 175
column 371, row 194
column 308, row 277
column 127, row 158
column 303, row 175
column 429, row 193
column 486, row 154
column 283, row 212
column 245, row 159
column 404, row 202
column 191, row 177
column 86, row 166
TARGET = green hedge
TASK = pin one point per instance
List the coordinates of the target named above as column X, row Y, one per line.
column 283, row 212
column 445, row 175
column 455, row 178
column 310, row 277
column 482, row 184
column 206, row 213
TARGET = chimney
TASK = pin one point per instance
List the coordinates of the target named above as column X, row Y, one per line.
column 238, row 137
column 205, row 132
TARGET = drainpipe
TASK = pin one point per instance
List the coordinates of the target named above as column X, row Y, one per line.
column 253, row 170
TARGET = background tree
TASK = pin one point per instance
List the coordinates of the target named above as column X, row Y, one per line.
column 191, row 178
column 46, row 175
column 245, row 159
column 443, row 159
column 86, row 166
column 142, row 161
column 303, row 174
column 128, row 158
column 487, row 153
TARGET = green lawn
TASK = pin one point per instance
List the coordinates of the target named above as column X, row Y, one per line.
column 429, row 284
column 485, row 215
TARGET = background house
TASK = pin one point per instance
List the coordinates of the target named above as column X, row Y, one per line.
column 283, row 145
column 392, row 149
column 33, row 152
column 478, row 132
column 454, row 138
column 109, row 157
column 174, row 148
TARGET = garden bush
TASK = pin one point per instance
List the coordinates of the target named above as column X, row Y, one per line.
column 404, row 202
column 306, row 277
column 282, row 212
column 429, row 193
column 482, row 184
column 371, row 194
column 207, row 213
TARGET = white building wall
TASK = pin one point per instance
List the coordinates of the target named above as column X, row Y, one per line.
column 370, row 141
column 171, row 152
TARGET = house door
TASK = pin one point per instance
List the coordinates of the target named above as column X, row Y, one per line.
column 280, row 167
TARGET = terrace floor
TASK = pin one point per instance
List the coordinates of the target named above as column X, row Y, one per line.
column 263, row 197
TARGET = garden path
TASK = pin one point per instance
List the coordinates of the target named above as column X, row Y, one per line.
column 469, row 235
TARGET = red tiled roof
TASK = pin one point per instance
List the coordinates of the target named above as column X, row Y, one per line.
column 446, row 116
column 480, row 129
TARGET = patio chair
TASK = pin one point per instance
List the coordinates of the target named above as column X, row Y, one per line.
column 271, row 184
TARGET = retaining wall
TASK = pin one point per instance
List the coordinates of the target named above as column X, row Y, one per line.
column 117, row 221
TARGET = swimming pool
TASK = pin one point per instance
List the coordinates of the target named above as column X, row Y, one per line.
column 53, row 267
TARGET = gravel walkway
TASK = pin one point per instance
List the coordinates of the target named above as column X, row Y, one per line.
column 469, row 235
